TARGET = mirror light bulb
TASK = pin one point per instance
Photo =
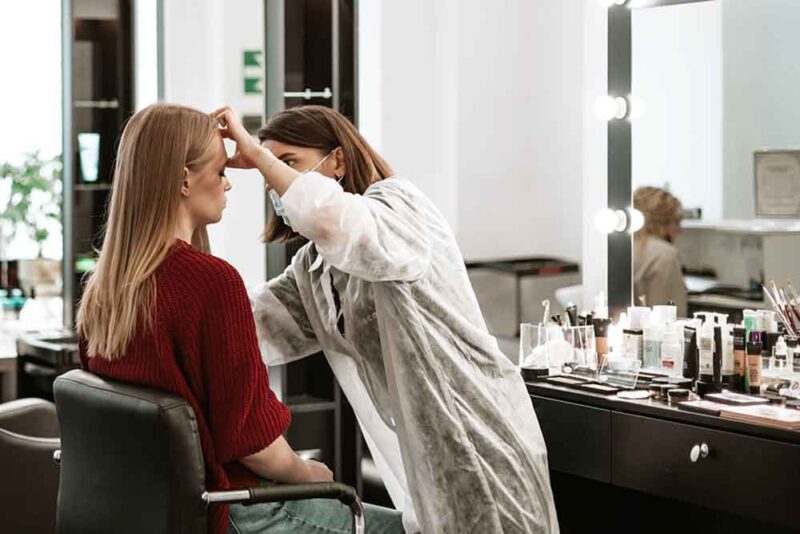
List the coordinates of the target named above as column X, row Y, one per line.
column 636, row 218
column 608, row 107
column 608, row 221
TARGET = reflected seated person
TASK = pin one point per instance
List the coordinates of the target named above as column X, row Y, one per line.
column 657, row 272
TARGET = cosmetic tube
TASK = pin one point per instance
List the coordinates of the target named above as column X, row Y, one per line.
column 739, row 352
column 716, row 363
column 690, row 356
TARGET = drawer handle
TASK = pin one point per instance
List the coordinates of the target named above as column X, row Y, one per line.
column 698, row 452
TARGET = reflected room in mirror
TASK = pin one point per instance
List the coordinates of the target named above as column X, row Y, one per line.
column 715, row 152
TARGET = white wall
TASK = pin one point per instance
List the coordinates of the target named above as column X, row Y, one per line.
column 30, row 97
column 761, row 79
column 594, row 184
column 203, row 45
column 677, row 75
column 482, row 108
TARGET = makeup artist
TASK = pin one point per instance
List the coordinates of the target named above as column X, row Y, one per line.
column 657, row 272
column 381, row 288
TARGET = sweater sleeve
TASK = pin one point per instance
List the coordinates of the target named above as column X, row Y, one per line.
column 244, row 415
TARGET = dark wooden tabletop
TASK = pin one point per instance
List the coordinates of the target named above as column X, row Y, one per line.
column 659, row 409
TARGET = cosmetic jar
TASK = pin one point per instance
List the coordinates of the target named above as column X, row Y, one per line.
column 664, row 391
column 677, row 395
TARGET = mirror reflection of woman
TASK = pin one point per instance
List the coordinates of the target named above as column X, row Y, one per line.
column 657, row 272
column 381, row 288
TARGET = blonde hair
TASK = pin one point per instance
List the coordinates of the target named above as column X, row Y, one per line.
column 659, row 207
column 156, row 145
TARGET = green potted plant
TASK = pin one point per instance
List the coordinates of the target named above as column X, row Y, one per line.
column 34, row 199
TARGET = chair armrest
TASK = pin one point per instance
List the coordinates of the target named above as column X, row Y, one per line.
column 294, row 492
column 285, row 492
column 12, row 440
column 30, row 417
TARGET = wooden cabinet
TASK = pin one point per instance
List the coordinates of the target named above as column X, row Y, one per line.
column 645, row 455
column 578, row 438
column 720, row 470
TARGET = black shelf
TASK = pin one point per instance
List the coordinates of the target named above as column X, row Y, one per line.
column 308, row 404
column 93, row 187
column 317, row 41
column 98, row 97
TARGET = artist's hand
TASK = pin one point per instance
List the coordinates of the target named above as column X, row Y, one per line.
column 249, row 154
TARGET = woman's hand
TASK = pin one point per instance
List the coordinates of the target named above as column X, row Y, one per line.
column 318, row 472
column 249, row 154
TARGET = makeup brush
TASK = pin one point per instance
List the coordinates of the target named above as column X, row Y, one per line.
column 778, row 308
column 546, row 305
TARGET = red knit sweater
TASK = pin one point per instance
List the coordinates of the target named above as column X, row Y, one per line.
column 203, row 347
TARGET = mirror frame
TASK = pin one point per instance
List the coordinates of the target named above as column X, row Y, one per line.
column 620, row 175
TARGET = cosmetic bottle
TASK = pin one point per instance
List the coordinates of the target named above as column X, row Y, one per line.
column 653, row 337
column 779, row 356
column 750, row 323
column 672, row 351
column 705, row 347
column 633, row 343
column 769, row 340
column 791, row 354
column 754, row 367
column 601, row 337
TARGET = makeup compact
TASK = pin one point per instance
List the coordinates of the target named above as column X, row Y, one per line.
column 636, row 394
column 702, row 407
column 735, row 399
column 794, row 404
column 532, row 374
column 563, row 380
column 603, row 389
column 776, row 400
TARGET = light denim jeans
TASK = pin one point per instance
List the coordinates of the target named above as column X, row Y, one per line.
column 310, row 516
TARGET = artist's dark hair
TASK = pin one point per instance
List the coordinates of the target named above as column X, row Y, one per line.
column 325, row 129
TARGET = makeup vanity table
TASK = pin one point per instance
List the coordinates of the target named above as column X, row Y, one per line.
column 645, row 466
column 601, row 447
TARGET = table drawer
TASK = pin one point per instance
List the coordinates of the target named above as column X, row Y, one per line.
column 578, row 437
column 748, row 476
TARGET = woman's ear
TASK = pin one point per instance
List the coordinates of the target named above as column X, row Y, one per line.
column 185, row 183
column 341, row 168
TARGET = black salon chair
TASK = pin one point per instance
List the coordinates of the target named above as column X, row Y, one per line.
column 131, row 462
column 28, row 478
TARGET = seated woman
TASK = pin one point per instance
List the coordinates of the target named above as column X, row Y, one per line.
column 159, row 311
column 657, row 272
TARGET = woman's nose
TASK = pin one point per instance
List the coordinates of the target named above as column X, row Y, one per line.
column 228, row 185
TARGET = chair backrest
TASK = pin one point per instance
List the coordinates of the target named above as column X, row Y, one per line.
column 131, row 459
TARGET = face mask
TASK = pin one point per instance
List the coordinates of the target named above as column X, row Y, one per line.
column 280, row 211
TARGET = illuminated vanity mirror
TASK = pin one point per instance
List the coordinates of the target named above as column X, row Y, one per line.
column 714, row 149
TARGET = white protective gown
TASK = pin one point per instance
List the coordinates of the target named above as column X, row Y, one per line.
column 445, row 414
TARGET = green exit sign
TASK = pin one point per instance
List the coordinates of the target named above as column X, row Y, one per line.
column 252, row 72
